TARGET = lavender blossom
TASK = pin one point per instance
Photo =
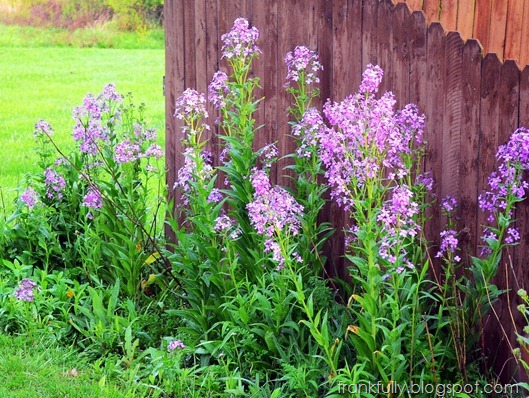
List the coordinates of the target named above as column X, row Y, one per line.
column 425, row 179
column 189, row 172
column 307, row 131
column 30, row 198
column 218, row 89
column 240, row 41
column 176, row 344
column 93, row 199
column 371, row 79
column 223, row 223
column 54, row 183
column 397, row 215
column 273, row 209
column 449, row 243
column 368, row 137
column 507, row 182
column 43, row 128
column 215, row 196
column 302, row 63
column 448, row 204
column 26, row 290
column 127, row 152
column 191, row 105
column 93, row 118
column 513, row 236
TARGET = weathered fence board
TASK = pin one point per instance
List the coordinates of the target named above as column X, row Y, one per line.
column 472, row 103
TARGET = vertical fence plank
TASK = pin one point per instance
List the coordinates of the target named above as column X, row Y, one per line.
column 452, row 115
column 465, row 18
column 401, row 55
column 369, row 32
column 384, row 44
column 489, row 116
column 434, row 121
column 212, row 56
column 448, row 15
column 265, row 18
column 346, row 48
column 418, row 71
column 524, row 45
column 498, row 23
column 432, row 10
column 513, row 35
column 508, row 98
column 469, row 163
column 174, row 85
column 482, row 15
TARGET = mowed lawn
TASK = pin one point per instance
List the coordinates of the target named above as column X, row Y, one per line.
column 46, row 83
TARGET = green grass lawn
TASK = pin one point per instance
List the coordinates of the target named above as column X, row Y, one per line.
column 30, row 368
column 47, row 82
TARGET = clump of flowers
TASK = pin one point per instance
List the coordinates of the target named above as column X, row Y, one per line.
column 369, row 137
column 506, row 185
column 54, row 183
column 175, row 345
column 191, row 106
column 303, row 66
column 306, row 131
column 93, row 118
column 30, row 198
column 218, row 89
column 240, row 41
column 273, row 212
column 26, row 290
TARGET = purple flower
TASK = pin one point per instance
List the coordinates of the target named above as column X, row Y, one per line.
column 240, row 41
column 189, row 172
column 126, row 152
column 449, row 243
column 304, row 64
column 25, row 290
column 268, row 154
column 175, row 344
column 273, row 210
column 218, row 89
column 54, row 183
column 29, row 197
column 153, row 151
column 367, row 137
column 425, row 179
column 448, row 204
column 191, row 105
column 397, row 215
column 513, row 236
column 507, row 183
column 223, row 223
column 371, row 79
column 93, row 198
column 94, row 117
column 215, row 196
column 43, row 128
column 272, row 246
column 307, row 131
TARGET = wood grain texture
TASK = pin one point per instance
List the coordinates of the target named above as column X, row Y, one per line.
column 469, row 152
column 448, row 15
column 498, row 25
column 513, row 34
column 465, row 18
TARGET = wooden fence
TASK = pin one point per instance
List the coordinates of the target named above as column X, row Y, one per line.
column 472, row 102
column 501, row 26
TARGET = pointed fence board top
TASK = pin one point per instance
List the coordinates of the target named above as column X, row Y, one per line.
column 501, row 26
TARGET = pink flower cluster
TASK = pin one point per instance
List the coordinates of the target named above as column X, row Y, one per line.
column 302, row 61
column 240, row 41
column 26, row 290
column 93, row 117
column 368, row 136
column 273, row 211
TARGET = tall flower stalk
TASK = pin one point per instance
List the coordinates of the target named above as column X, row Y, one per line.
column 370, row 154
